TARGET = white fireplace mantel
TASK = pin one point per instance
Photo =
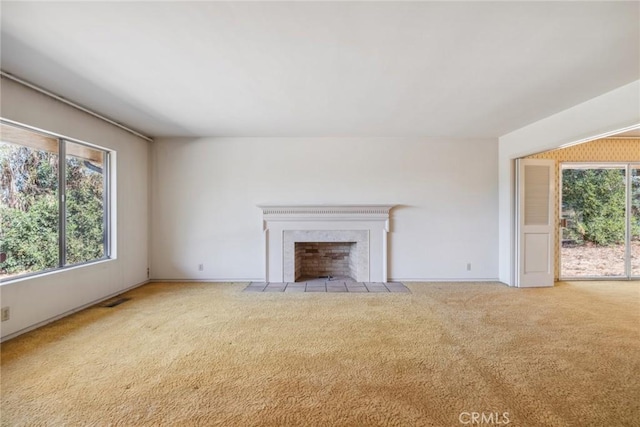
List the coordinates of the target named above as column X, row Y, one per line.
column 292, row 212
column 283, row 225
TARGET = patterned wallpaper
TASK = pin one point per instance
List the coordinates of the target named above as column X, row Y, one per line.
column 601, row 150
column 625, row 150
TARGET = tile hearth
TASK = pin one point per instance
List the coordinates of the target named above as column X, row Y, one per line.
column 324, row 285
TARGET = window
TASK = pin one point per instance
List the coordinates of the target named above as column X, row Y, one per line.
column 601, row 235
column 54, row 195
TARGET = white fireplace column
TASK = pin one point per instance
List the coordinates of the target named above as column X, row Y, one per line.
column 365, row 225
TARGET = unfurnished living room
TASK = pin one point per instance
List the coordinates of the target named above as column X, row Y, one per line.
column 300, row 213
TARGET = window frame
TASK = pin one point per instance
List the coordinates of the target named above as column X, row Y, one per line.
column 62, row 205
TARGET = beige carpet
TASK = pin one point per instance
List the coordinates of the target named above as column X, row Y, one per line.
column 209, row 354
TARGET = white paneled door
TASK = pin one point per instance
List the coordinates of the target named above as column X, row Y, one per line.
column 535, row 223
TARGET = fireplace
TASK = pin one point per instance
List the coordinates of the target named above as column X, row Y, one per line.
column 296, row 232
column 325, row 259
column 359, row 239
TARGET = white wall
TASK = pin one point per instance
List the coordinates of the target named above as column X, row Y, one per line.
column 601, row 116
column 205, row 192
column 38, row 299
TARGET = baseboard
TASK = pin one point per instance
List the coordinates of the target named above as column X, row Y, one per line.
column 70, row 312
column 245, row 280
column 463, row 280
column 206, row 280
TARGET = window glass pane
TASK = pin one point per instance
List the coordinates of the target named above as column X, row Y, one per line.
column 28, row 202
column 85, row 186
column 594, row 204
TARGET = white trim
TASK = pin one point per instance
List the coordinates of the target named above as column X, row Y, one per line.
column 325, row 212
column 392, row 279
column 603, row 135
column 230, row 281
column 56, row 270
column 452, row 280
column 325, row 209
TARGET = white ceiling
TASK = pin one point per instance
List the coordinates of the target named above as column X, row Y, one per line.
column 448, row 69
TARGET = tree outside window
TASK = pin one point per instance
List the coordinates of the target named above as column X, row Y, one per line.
column 52, row 214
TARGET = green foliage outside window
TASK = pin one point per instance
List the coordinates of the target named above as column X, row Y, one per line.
column 85, row 213
column 29, row 210
column 595, row 201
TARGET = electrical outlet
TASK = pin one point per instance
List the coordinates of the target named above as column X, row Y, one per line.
column 6, row 314
column 200, row 267
column 468, row 266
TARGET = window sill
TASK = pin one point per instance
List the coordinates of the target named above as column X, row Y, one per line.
column 37, row 275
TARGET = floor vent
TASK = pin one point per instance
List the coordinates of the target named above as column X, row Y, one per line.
column 113, row 302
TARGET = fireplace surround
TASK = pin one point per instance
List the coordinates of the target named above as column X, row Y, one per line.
column 365, row 226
